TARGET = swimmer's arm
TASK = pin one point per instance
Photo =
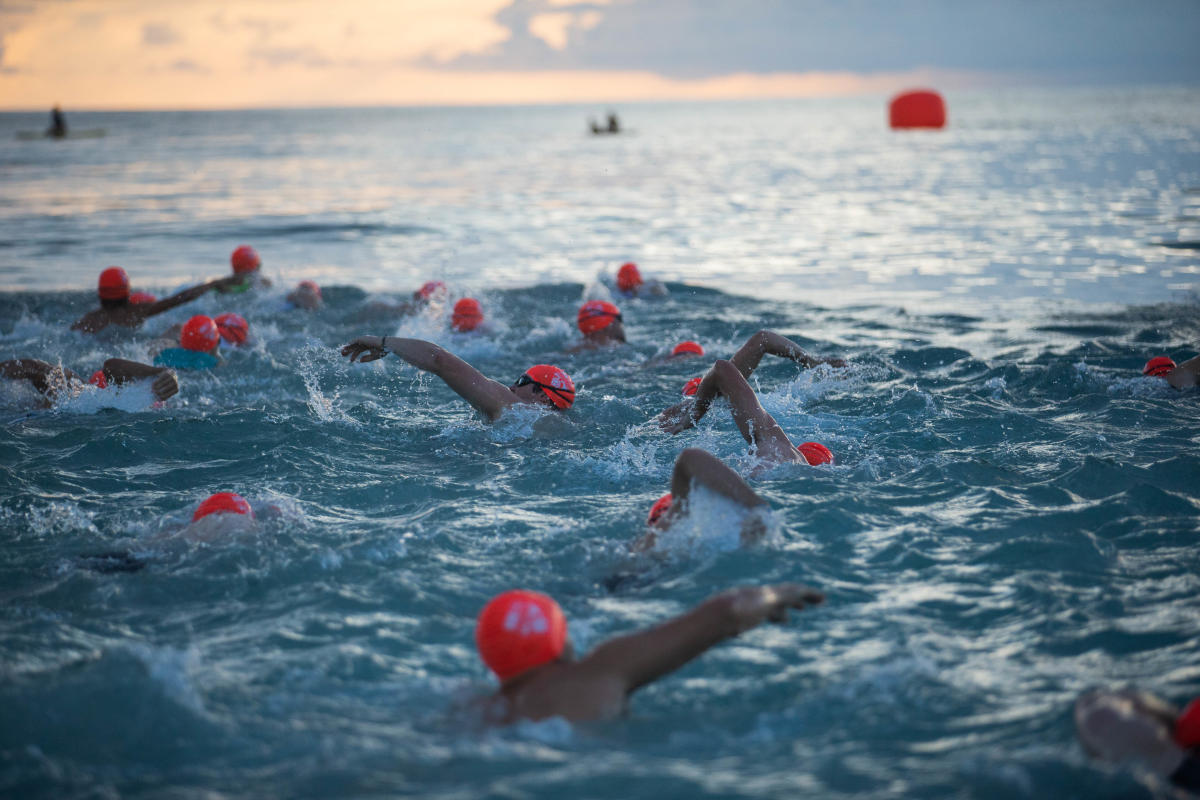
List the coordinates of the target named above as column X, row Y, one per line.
column 120, row 370
column 46, row 378
column 91, row 322
column 1186, row 374
column 486, row 395
column 186, row 296
column 640, row 658
column 771, row 343
column 696, row 466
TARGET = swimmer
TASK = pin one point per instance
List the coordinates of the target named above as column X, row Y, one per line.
column 467, row 316
column 54, row 382
column 1181, row 376
column 600, row 323
column 1128, row 726
column 541, row 384
column 630, row 283
column 199, row 346
column 247, row 267
column 431, row 293
column 522, row 637
column 681, row 352
column 694, row 468
column 307, row 295
column 116, row 308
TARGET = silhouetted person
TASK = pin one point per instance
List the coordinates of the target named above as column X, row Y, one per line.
column 58, row 123
column 613, row 125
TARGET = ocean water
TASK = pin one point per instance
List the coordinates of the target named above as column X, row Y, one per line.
column 1012, row 517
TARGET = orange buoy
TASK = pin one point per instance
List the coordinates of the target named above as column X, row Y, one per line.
column 922, row 108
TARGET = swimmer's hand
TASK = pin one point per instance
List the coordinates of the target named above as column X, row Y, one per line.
column 677, row 418
column 365, row 348
column 754, row 605
column 833, row 362
column 165, row 385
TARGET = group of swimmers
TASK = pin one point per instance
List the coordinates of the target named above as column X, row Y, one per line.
column 521, row 634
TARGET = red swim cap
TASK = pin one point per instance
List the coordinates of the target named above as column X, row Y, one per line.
column 815, row 453
column 596, row 315
column 232, row 327
column 628, row 277
column 1187, row 726
column 311, row 286
column 659, row 508
column 98, row 379
column 244, row 259
column 142, row 297
column 200, row 334
column 557, row 384
column 1158, row 367
column 114, row 284
column 224, row 503
column 430, row 288
column 692, row 386
column 688, row 347
column 467, row 315
column 520, row 630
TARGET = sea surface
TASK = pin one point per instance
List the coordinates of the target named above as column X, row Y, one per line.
column 1012, row 517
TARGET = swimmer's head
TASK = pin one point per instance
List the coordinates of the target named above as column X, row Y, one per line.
column 431, row 290
column 520, row 630
column 467, row 315
column 223, row 503
column 245, row 259
column 688, row 348
column 691, row 387
column 232, row 327
column 200, row 334
column 142, row 297
column 628, row 277
column 556, row 386
column 815, row 453
column 1187, row 726
column 1158, row 367
column 660, row 507
column 600, row 319
column 113, row 287
column 98, row 379
column 306, row 295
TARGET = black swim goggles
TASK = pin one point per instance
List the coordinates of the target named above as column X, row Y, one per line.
column 566, row 395
column 600, row 312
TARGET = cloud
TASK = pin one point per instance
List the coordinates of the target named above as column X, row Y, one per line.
column 159, row 33
column 188, row 65
column 305, row 56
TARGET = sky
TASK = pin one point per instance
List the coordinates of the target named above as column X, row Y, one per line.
column 148, row 54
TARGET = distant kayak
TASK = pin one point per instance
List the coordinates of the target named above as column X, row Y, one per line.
column 86, row 133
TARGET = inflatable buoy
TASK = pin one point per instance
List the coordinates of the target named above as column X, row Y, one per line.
column 922, row 108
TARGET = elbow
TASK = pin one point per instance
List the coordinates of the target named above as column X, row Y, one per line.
column 725, row 369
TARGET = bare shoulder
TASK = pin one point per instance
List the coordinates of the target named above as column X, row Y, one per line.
column 577, row 692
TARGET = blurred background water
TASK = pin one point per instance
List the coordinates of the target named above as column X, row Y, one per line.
column 1012, row 517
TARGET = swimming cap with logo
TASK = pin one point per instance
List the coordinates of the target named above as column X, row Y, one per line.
column 557, row 384
column 142, row 297
column 1158, row 367
column 596, row 315
column 1187, row 726
column 199, row 334
column 245, row 259
column 223, row 503
column 815, row 453
column 520, row 630
column 114, row 284
column 691, row 386
column 659, row 508
column 98, row 379
column 688, row 347
column 430, row 288
column 467, row 315
column 232, row 327
column 628, row 277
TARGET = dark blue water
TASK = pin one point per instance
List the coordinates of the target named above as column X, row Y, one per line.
column 1012, row 517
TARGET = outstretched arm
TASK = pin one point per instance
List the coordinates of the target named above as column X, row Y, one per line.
column 119, row 370
column 483, row 393
column 700, row 467
column 186, row 296
column 771, row 343
column 1186, row 374
column 639, row 658
column 47, row 379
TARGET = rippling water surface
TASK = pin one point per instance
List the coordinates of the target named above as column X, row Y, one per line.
column 1012, row 517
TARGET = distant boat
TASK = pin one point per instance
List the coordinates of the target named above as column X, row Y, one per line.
column 86, row 133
